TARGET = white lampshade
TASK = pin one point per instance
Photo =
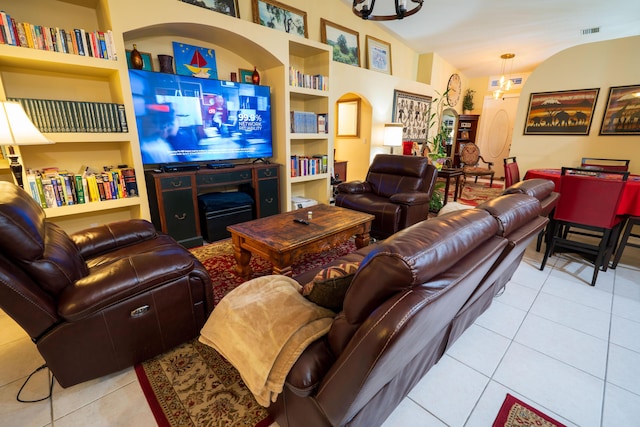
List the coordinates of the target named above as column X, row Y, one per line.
column 393, row 134
column 16, row 128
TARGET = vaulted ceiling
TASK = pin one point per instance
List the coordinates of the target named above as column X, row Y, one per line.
column 472, row 34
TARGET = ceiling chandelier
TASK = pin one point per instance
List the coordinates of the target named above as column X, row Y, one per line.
column 505, row 82
column 366, row 10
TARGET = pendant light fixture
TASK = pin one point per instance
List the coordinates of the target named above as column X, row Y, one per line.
column 364, row 9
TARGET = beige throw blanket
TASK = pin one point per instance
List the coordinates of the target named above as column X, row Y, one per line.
column 261, row 328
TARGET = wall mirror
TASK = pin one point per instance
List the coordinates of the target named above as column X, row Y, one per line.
column 450, row 123
column 348, row 123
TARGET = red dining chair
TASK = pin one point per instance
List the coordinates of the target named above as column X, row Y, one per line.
column 621, row 165
column 511, row 171
column 624, row 242
column 588, row 202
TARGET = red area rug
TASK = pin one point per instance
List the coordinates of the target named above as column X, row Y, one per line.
column 192, row 385
column 516, row 413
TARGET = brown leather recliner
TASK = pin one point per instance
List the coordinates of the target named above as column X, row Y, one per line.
column 397, row 191
column 100, row 300
column 412, row 296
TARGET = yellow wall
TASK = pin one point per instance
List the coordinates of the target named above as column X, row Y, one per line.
column 376, row 89
column 594, row 65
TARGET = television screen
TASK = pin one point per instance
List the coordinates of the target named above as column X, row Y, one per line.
column 190, row 119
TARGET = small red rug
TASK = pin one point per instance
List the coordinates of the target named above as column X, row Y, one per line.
column 516, row 413
column 192, row 385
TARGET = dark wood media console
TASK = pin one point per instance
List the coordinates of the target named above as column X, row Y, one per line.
column 173, row 196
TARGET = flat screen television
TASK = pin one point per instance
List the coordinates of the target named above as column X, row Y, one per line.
column 190, row 119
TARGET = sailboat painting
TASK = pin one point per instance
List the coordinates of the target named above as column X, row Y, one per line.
column 195, row 61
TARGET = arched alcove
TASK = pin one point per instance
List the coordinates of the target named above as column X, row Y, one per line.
column 356, row 150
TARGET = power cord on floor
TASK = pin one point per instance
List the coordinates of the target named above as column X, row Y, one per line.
column 27, row 380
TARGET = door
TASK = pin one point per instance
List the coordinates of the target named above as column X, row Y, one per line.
column 496, row 130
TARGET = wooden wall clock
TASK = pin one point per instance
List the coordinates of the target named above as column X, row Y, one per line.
column 454, row 87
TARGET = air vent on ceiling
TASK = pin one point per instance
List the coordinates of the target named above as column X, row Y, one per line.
column 587, row 31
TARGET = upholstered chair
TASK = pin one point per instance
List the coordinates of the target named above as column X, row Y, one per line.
column 397, row 191
column 470, row 159
column 98, row 300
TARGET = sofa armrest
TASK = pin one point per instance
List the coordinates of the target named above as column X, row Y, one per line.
column 310, row 368
column 112, row 283
column 104, row 238
column 410, row 199
column 354, row 187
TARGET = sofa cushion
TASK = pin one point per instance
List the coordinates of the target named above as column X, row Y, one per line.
column 328, row 287
column 512, row 211
column 414, row 256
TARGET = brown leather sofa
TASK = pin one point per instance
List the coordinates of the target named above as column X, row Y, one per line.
column 100, row 300
column 397, row 191
column 413, row 295
column 543, row 190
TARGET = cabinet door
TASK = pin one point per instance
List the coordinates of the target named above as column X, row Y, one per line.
column 181, row 218
column 268, row 201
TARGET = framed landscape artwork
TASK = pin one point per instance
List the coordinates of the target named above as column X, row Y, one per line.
column 412, row 110
column 344, row 42
column 279, row 16
column 228, row 7
column 195, row 61
column 622, row 114
column 378, row 55
column 568, row 112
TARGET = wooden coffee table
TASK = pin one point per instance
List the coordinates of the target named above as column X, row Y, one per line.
column 282, row 241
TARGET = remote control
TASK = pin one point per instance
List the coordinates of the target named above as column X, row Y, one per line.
column 301, row 221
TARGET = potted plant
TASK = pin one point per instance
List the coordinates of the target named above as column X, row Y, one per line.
column 435, row 147
column 467, row 101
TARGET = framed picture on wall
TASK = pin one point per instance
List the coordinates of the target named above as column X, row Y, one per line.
column 412, row 110
column 245, row 75
column 279, row 16
column 228, row 7
column 147, row 63
column 195, row 61
column 622, row 113
column 378, row 55
column 344, row 42
column 567, row 112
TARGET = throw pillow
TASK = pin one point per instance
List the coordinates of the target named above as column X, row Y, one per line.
column 329, row 286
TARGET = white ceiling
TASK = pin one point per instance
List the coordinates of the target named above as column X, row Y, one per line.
column 472, row 34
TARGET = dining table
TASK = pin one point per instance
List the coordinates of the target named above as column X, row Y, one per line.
column 630, row 199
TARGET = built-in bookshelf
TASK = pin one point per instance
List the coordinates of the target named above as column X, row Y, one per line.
column 310, row 63
column 79, row 101
column 56, row 115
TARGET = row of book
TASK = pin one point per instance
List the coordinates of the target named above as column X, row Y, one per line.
column 52, row 115
column 305, row 165
column 308, row 81
column 52, row 188
column 98, row 44
column 308, row 122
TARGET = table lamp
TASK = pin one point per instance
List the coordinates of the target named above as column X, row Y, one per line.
column 17, row 129
column 393, row 135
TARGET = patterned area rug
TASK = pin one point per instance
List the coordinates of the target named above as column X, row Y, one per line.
column 515, row 413
column 477, row 193
column 192, row 385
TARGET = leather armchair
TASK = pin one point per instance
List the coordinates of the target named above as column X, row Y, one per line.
column 99, row 300
column 397, row 191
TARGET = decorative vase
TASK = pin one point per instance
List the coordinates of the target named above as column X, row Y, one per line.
column 166, row 63
column 255, row 77
column 136, row 59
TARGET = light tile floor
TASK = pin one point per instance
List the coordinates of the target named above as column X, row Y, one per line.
column 550, row 339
